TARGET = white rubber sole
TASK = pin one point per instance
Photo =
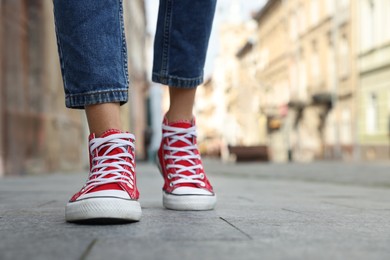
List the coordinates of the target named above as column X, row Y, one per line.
column 115, row 209
column 189, row 202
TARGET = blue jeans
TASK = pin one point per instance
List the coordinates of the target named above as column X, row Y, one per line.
column 92, row 47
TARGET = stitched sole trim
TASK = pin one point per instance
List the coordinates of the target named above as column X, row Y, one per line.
column 103, row 208
column 189, row 202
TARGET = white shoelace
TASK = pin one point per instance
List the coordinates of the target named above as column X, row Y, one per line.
column 184, row 135
column 101, row 165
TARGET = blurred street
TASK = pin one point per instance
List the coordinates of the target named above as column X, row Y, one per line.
column 302, row 86
column 322, row 210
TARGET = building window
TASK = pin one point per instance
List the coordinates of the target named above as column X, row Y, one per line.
column 368, row 35
column 302, row 91
column 264, row 58
column 294, row 26
column 382, row 21
column 344, row 4
column 388, row 112
column 344, row 56
column 385, row 14
column 346, row 130
column 294, row 78
column 330, row 6
column 314, row 11
column 330, row 128
column 301, row 19
column 331, row 63
column 372, row 114
column 315, row 63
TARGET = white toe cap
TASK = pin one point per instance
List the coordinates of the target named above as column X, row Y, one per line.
column 105, row 193
column 190, row 191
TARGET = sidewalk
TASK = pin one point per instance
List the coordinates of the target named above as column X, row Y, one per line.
column 265, row 211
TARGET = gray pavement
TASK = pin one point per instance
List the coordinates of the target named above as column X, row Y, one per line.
column 265, row 211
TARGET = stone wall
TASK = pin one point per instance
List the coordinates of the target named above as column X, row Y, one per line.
column 37, row 133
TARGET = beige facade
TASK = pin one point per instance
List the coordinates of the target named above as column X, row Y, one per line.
column 374, row 88
column 308, row 49
column 289, row 81
column 134, row 113
column 37, row 133
column 226, row 105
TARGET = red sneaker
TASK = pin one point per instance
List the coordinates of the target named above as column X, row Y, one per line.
column 186, row 186
column 110, row 193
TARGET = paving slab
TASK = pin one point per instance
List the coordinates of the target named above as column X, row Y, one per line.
column 265, row 211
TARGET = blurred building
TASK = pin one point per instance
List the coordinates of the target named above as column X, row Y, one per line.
column 374, row 71
column 134, row 114
column 290, row 81
column 309, row 48
column 37, row 133
column 227, row 104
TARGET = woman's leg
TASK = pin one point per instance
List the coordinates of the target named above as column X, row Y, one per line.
column 93, row 58
column 92, row 51
column 102, row 117
column 183, row 32
column 181, row 103
column 182, row 36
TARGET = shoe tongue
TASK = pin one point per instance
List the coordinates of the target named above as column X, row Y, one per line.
column 110, row 132
column 180, row 123
column 105, row 134
column 179, row 143
column 101, row 152
column 114, row 151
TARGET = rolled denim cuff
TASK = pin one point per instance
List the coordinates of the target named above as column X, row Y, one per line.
column 79, row 101
column 92, row 50
column 177, row 82
column 181, row 42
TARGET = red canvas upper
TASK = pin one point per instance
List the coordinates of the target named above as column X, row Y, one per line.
column 133, row 192
column 163, row 162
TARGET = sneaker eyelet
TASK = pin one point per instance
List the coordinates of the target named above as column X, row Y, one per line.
column 203, row 184
column 202, row 176
column 169, row 176
column 171, row 184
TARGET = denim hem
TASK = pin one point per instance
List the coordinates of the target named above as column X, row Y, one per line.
column 79, row 101
column 177, row 82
